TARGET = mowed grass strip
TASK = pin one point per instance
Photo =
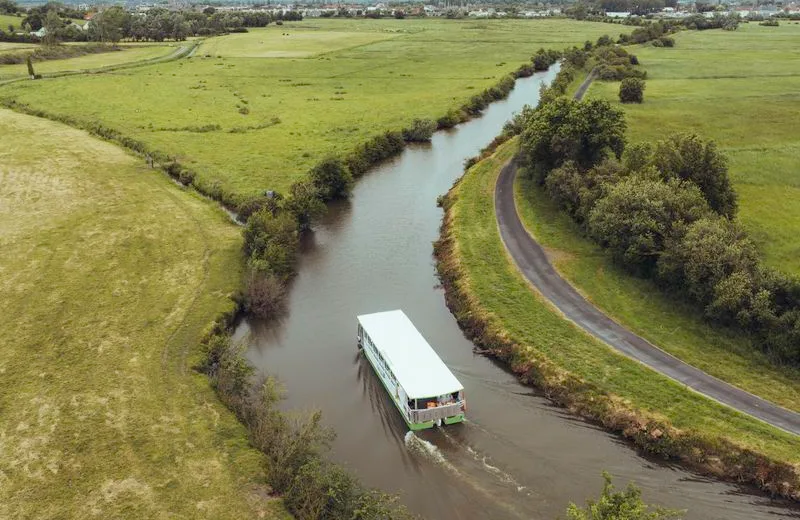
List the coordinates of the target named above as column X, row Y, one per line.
column 109, row 275
column 498, row 289
column 741, row 88
column 278, row 117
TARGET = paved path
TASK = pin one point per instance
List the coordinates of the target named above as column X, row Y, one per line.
column 535, row 266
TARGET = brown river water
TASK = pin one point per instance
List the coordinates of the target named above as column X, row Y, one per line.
column 517, row 456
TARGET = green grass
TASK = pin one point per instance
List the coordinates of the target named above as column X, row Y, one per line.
column 109, row 276
column 327, row 102
column 643, row 308
column 129, row 54
column 741, row 88
column 499, row 290
column 7, row 19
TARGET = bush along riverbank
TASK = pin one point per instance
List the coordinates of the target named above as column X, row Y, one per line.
column 472, row 266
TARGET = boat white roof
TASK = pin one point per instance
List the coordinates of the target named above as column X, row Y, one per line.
column 417, row 367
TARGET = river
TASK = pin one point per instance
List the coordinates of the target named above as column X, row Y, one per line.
column 517, row 456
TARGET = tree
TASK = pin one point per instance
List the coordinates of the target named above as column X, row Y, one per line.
column 304, row 203
column 332, row 179
column 639, row 215
column 712, row 249
column 112, row 24
column 566, row 130
column 690, row 158
column 8, row 7
column 631, row 90
column 619, row 505
column 52, row 25
column 271, row 242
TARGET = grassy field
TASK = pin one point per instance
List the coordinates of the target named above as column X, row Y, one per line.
column 7, row 19
column 109, row 276
column 357, row 78
column 496, row 286
column 129, row 54
column 741, row 88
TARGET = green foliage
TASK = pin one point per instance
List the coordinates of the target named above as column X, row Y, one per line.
column 421, row 130
column 566, row 130
column 639, row 215
column 304, row 204
column 631, row 90
column 619, row 505
column 270, row 242
column 711, row 250
column 689, row 158
column 332, row 179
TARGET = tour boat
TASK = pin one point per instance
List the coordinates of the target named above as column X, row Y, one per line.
column 419, row 383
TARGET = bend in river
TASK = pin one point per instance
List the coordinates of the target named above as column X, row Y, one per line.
column 517, row 456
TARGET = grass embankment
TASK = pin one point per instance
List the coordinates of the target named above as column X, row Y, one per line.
column 741, row 88
column 274, row 118
column 108, row 279
column 499, row 310
column 128, row 54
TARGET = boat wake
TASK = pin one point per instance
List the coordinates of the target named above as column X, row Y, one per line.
column 432, row 452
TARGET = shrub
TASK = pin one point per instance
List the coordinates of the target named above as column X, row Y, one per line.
column 332, row 179
column 264, row 295
column 638, row 216
column 304, row 204
column 567, row 130
column 618, row 505
column 271, row 242
column 711, row 250
column 689, row 158
column 421, row 130
column 631, row 90
column 666, row 41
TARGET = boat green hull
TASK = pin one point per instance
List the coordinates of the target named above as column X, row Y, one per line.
column 411, row 426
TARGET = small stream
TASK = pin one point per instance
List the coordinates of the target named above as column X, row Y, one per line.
column 517, row 456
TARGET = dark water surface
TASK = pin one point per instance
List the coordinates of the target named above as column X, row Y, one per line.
column 517, row 456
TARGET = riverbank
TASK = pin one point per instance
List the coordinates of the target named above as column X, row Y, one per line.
column 109, row 278
column 498, row 310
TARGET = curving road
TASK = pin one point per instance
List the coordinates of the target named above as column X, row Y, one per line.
column 534, row 265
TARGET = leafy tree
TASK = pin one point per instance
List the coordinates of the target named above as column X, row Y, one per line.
column 689, row 158
column 631, row 90
column 304, row 203
column 639, row 215
column 712, row 249
column 111, row 25
column 8, row 7
column 52, row 25
column 332, row 179
column 619, row 505
column 578, row 191
column 584, row 132
column 271, row 242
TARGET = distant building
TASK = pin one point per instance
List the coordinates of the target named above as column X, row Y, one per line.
column 618, row 14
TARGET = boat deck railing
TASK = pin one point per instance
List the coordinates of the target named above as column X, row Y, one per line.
column 434, row 414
